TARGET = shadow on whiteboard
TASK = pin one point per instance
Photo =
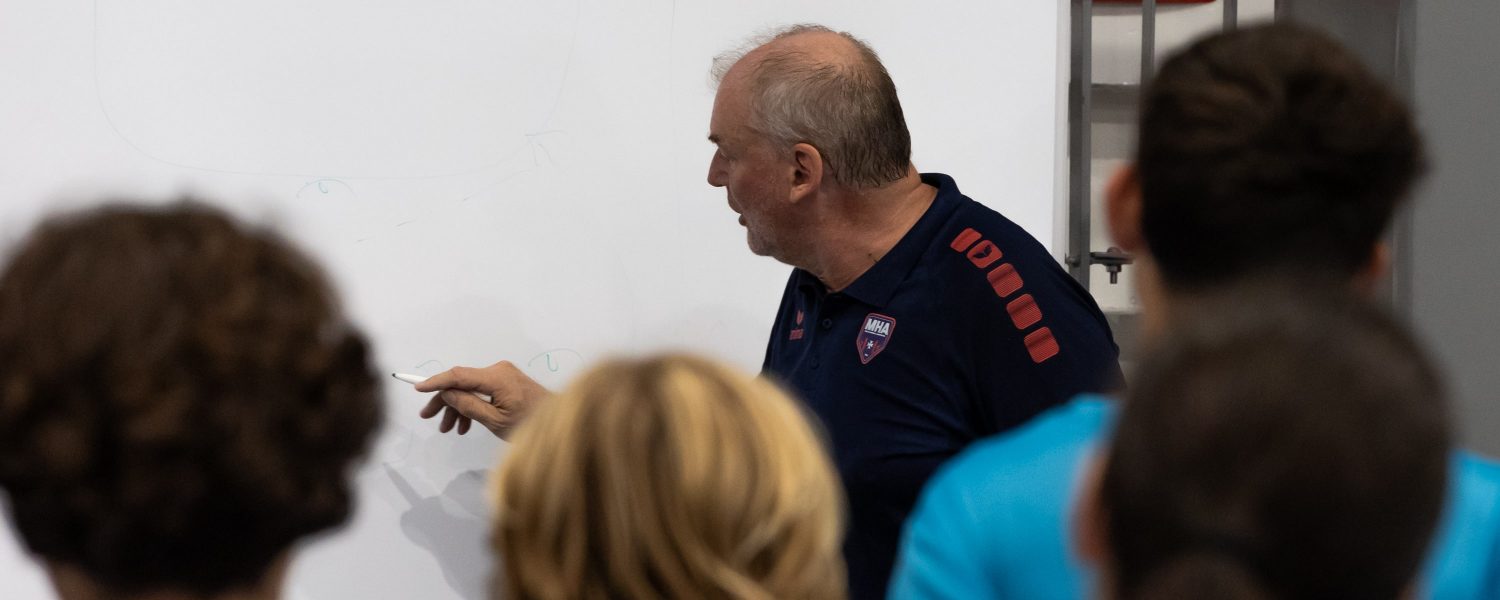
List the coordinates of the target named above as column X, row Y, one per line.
column 452, row 527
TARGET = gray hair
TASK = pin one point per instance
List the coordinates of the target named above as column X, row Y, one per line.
column 847, row 109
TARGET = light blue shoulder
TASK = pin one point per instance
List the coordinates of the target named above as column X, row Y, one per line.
column 1044, row 449
column 1463, row 560
column 1478, row 469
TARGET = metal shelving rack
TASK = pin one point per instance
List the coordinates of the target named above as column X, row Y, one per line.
column 1081, row 90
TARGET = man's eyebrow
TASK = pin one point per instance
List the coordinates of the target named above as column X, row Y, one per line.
column 714, row 137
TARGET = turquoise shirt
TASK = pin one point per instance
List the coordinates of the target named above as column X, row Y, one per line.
column 994, row 522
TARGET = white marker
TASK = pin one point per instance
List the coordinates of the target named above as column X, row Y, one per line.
column 416, row 379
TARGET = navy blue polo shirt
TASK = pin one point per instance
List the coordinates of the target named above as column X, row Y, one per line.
column 966, row 328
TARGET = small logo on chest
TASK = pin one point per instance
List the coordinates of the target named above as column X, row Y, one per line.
column 874, row 335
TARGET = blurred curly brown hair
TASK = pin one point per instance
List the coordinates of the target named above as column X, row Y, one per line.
column 180, row 398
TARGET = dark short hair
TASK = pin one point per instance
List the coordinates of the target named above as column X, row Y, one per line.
column 180, row 399
column 1277, row 447
column 847, row 109
column 1270, row 149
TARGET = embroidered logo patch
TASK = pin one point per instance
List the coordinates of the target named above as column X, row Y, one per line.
column 874, row 335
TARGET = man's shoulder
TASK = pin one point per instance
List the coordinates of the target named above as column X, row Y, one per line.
column 1045, row 452
column 999, row 258
column 993, row 225
column 969, row 225
column 977, row 254
column 1464, row 550
column 1478, row 469
column 1476, row 485
column 1000, row 509
column 1474, row 488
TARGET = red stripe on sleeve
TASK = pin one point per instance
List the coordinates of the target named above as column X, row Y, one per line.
column 1041, row 345
column 1024, row 312
column 984, row 254
column 965, row 239
column 1005, row 280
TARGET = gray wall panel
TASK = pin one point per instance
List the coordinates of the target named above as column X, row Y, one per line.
column 1455, row 279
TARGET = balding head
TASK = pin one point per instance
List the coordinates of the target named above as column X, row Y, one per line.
column 809, row 84
column 812, row 44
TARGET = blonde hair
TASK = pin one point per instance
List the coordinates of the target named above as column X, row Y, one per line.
column 669, row 477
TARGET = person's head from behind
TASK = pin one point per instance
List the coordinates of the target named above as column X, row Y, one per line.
column 1273, row 449
column 803, row 111
column 1270, row 150
column 181, row 401
column 669, row 477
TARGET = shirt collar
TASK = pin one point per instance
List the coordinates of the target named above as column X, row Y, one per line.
column 876, row 286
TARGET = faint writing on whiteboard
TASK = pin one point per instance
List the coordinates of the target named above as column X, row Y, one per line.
column 325, row 187
column 555, row 360
column 534, row 139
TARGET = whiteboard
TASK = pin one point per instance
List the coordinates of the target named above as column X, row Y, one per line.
column 517, row 179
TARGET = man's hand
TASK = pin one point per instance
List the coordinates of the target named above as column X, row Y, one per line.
column 514, row 394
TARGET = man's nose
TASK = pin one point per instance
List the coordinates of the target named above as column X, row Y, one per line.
column 715, row 172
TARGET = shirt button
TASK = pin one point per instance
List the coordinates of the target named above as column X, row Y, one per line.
column 827, row 323
column 815, row 362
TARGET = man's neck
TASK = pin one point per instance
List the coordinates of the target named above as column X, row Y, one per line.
column 1156, row 303
column 72, row 584
column 1162, row 306
column 858, row 227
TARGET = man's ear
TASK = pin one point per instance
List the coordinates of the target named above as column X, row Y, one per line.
column 807, row 171
column 1368, row 278
column 1122, row 209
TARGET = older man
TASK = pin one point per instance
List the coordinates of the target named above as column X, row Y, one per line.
column 916, row 320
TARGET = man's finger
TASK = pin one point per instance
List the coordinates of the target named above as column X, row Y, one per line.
column 468, row 404
column 457, row 377
column 450, row 416
column 463, row 425
column 433, row 407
